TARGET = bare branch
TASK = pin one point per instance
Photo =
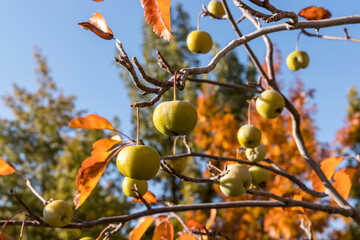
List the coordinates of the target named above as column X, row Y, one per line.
column 345, row 38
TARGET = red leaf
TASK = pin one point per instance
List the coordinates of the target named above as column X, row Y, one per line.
column 314, row 13
column 98, row 25
column 343, row 181
column 157, row 15
column 328, row 166
column 148, row 196
column 164, row 229
column 92, row 169
column 91, row 121
column 141, row 227
column 5, row 167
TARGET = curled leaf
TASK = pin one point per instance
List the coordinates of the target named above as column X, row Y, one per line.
column 148, row 196
column 92, row 169
column 157, row 15
column 343, row 181
column 98, row 25
column 314, row 13
column 91, row 121
column 5, row 167
column 141, row 227
column 164, row 229
column 328, row 166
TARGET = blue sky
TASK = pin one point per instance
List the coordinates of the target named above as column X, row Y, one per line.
column 82, row 64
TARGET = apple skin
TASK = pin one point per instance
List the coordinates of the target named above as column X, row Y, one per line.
column 128, row 184
column 86, row 238
column 249, row 136
column 199, row 42
column 58, row 213
column 179, row 164
column 270, row 104
column 297, row 60
column 256, row 154
column 139, row 162
column 174, row 118
column 260, row 176
column 236, row 181
column 216, row 8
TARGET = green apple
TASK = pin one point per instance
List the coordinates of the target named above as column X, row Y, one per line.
column 216, row 8
column 179, row 164
column 260, row 176
column 139, row 162
column 236, row 181
column 270, row 104
column 174, row 118
column 199, row 42
column 249, row 136
column 58, row 213
column 86, row 238
column 129, row 183
column 256, row 154
column 297, row 60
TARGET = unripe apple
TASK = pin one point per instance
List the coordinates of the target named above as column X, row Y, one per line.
column 216, row 8
column 236, row 181
column 256, row 154
column 139, row 162
column 297, row 60
column 174, row 118
column 86, row 238
column 270, row 104
column 179, row 164
column 199, row 42
column 129, row 183
column 58, row 213
column 260, row 176
column 249, row 136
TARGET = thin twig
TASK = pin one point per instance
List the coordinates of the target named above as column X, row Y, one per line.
column 139, row 196
column 345, row 38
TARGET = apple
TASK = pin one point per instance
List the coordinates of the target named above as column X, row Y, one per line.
column 270, row 104
column 249, row 136
column 86, row 238
column 256, row 154
column 199, row 42
column 58, row 213
column 260, row 176
column 129, row 183
column 174, row 118
column 139, row 162
column 216, row 8
column 179, row 164
column 236, row 181
column 297, row 60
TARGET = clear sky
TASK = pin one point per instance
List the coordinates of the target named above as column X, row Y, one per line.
column 82, row 64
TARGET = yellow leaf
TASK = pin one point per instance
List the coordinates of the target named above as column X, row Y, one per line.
column 342, row 181
column 141, row 227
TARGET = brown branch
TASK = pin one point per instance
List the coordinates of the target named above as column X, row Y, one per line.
column 139, row 196
column 345, row 38
column 223, row 84
column 162, row 63
column 146, row 77
column 207, row 13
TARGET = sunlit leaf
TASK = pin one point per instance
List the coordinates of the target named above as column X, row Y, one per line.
column 5, row 168
column 314, row 13
column 343, row 181
column 91, row 121
column 211, row 219
column 141, row 227
column 164, row 229
column 157, row 15
column 148, row 196
column 192, row 224
column 328, row 166
column 186, row 236
column 92, row 169
column 98, row 25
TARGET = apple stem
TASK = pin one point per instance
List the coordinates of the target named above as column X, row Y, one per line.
column 174, row 146
column 138, row 126
column 175, row 86
column 297, row 41
column 249, row 112
column 198, row 22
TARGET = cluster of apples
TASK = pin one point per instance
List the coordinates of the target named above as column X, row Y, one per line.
column 269, row 104
column 200, row 41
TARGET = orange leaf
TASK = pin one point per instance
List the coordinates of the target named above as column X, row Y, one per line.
column 342, row 181
column 163, row 230
column 91, row 121
column 98, row 25
column 141, row 227
column 328, row 166
column 186, row 236
column 157, row 14
column 98, row 0
column 314, row 13
column 211, row 219
column 5, row 167
column 92, row 169
column 3, row 236
column 192, row 224
column 148, row 196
